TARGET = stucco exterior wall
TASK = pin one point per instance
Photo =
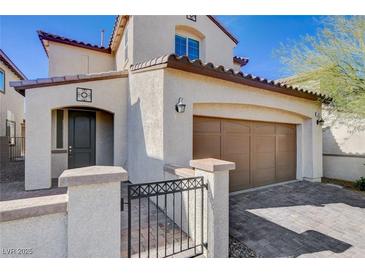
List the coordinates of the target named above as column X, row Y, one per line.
column 247, row 112
column 78, row 61
column 343, row 150
column 59, row 163
column 170, row 141
column 154, row 36
column 255, row 104
column 45, row 235
column 41, row 101
column 11, row 103
column 145, row 126
column 343, row 168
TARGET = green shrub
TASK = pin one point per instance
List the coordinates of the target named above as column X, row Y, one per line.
column 360, row 184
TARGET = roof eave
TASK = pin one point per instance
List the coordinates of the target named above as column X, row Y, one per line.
column 43, row 36
column 219, row 25
column 6, row 60
column 242, row 61
column 118, row 30
column 21, row 86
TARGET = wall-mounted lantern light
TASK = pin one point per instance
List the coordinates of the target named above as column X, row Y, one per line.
column 180, row 106
column 320, row 120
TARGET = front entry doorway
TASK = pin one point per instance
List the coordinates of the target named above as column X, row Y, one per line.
column 81, row 138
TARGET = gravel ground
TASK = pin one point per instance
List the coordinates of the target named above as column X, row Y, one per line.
column 238, row 249
column 13, row 172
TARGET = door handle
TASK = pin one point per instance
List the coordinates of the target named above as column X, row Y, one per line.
column 70, row 150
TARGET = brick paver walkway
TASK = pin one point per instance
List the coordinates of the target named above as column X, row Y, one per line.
column 301, row 219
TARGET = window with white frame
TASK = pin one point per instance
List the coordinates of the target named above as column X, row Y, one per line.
column 185, row 46
column 2, row 81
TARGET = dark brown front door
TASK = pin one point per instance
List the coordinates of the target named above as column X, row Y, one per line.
column 264, row 152
column 81, row 138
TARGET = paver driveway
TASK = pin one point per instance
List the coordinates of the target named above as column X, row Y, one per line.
column 301, row 219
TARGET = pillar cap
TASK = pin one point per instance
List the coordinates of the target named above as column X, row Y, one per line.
column 212, row 165
column 92, row 175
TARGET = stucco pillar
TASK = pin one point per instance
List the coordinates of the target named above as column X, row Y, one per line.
column 119, row 146
column 93, row 219
column 312, row 150
column 216, row 175
column 38, row 145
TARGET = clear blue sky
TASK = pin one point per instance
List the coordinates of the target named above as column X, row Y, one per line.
column 258, row 36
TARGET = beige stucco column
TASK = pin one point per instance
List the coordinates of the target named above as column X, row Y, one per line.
column 93, row 220
column 312, row 150
column 37, row 145
column 216, row 176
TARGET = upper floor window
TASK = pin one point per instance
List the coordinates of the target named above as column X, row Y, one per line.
column 2, row 81
column 193, row 49
column 185, row 46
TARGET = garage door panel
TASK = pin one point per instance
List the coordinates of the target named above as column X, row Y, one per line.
column 206, row 146
column 242, row 161
column 282, row 129
column 236, row 144
column 285, row 158
column 264, row 144
column 286, row 143
column 206, row 125
column 264, row 160
column 240, row 177
column 263, row 177
column 285, row 173
column 263, row 128
column 239, row 180
column 264, row 153
column 235, row 126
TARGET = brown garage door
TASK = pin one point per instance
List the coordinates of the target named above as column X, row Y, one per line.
column 264, row 153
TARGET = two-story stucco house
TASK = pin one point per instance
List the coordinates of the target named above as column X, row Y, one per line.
column 166, row 90
column 12, row 120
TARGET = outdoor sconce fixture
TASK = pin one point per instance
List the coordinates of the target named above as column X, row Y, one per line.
column 320, row 120
column 180, row 106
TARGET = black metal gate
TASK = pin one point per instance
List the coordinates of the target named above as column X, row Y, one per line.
column 166, row 219
column 16, row 148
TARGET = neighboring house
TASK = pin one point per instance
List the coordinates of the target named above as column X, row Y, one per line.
column 166, row 90
column 12, row 123
column 343, row 145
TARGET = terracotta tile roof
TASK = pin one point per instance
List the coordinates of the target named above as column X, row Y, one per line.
column 209, row 69
column 20, row 86
column 242, row 61
column 45, row 36
column 6, row 60
column 118, row 29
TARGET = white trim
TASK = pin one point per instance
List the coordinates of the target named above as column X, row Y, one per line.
column 262, row 187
